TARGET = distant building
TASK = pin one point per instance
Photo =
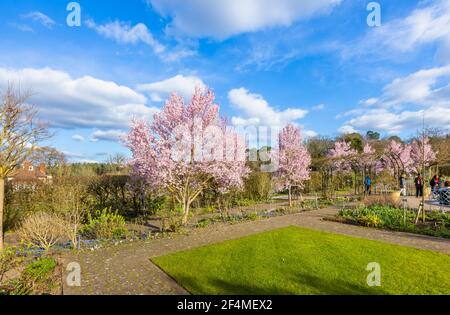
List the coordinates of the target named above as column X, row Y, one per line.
column 29, row 173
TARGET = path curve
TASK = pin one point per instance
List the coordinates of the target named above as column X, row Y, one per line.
column 126, row 269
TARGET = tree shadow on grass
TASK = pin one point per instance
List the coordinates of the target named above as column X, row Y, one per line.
column 313, row 284
column 335, row 286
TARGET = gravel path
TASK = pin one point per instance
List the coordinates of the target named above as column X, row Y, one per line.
column 126, row 269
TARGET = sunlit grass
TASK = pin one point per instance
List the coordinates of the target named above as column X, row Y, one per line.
column 300, row 261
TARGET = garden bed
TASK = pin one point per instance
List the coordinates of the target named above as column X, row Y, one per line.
column 436, row 223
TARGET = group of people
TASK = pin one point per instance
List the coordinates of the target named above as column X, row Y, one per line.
column 435, row 183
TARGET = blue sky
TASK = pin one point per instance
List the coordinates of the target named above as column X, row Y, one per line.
column 316, row 64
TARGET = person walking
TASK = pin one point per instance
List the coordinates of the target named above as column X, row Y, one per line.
column 403, row 185
column 434, row 184
column 368, row 184
column 419, row 186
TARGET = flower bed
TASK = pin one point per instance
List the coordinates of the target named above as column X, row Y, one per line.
column 392, row 218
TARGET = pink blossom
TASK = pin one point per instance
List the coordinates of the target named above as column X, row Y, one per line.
column 186, row 148
column 293, row 159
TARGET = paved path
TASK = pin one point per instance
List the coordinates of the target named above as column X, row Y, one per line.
column 126, row 269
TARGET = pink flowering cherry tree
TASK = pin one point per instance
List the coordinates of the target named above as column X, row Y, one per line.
column 293, row 160
column 421, row 154
column 186, row 148
column 397, row 157
column 345, row 159
column 342, row 156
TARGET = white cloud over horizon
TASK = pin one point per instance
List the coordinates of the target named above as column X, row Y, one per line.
column 257, row 111
column 183, row 85
column 405, row 102
column 84, row 102
column 107, row 135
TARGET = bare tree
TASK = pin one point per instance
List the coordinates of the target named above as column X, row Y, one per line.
column 117, row 162
column 20, row 131
column 54, row 160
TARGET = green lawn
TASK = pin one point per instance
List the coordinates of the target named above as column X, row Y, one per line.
column 301, row 261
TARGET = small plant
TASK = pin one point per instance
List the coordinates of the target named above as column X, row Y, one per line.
column 388, row 217
column 205, row 222
column 251, row 216
column 8, row 261
column 370, row 220
column 37, row 278
column 42, row 230
column 105, row 224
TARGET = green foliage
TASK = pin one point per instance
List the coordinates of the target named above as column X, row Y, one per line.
column 202, row 223
column 393, row 218
column 370, row 220
column 61, row 196
column 40, row 269
column 373, row 135
column 8, row 261
column 105, row 224
column 37, row 278
column 251, row 216
column 257, row 186
column 356, row 141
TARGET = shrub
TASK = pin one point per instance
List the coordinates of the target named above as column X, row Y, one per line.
column 37, row 278
column 105, row 224
column 370, row 220
column 257, row 186
column 63, row 195
column 251, row 216
column 8, row 261
column 42, row 230
column 205, row 222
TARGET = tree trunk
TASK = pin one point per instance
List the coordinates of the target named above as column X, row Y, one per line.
column 290, row 196
column 186, row 207
column 2, row 197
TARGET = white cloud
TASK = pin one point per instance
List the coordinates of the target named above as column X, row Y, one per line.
column 124, row 33
column 73, row 155
column 39, row 17
column 257, row 110
column 347, row 129
column 369, row 101
column 405, row 102
column 427, row 24
column 183, row 85
column 397, row 122
column 418, row 88
column 107, row 135
column 85, row 161
column 319, row 107
column 221, row 19
column 77, row 137
column 309, row 134
column 87, row 102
